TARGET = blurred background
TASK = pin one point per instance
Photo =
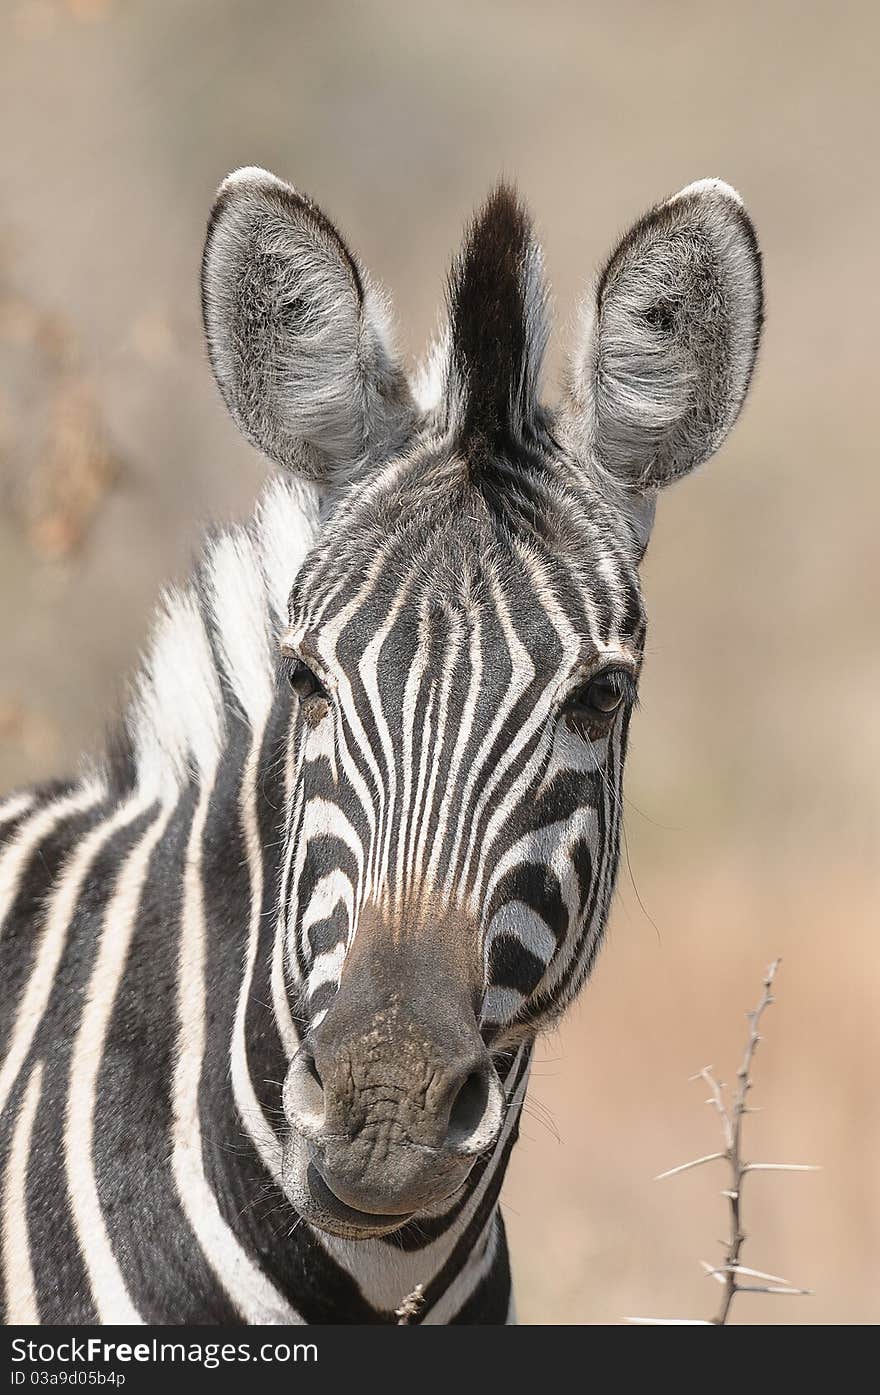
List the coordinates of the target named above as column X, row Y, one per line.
column 753, row 824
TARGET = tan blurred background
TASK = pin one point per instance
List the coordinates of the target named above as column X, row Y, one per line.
column 754, row 818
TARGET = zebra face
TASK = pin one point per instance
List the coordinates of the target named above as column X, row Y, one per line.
column 463, row 692
column 463, row 686
column 464, row 648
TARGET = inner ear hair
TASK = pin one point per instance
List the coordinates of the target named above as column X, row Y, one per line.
column 299, row 340
column 670, row 338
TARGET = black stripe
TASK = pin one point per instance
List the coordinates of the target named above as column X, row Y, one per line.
column 489, row 1303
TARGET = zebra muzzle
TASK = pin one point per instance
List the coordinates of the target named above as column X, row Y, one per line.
column 389, row 1103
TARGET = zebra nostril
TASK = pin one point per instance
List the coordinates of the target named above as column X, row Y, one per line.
column 469, row 1105
column 304, row 1093
column 312, row 1076
column 475, row 1116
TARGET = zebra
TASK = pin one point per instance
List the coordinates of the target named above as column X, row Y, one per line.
column 274, row 964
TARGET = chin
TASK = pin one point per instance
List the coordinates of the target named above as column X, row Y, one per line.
column 314, row 1200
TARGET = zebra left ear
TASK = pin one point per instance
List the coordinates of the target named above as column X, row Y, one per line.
column 299, row 340
column 670, row 339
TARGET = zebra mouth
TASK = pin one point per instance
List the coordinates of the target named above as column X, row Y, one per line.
column 332, row 1214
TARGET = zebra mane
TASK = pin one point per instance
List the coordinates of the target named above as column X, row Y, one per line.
column 212, row 650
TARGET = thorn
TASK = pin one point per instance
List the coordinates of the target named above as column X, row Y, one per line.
column 753, row 1274
column 669, row 1322
column 713, row 1273
column 780, row 1167
column 685, row 1167
column 731, row 1196
column 774, row 1288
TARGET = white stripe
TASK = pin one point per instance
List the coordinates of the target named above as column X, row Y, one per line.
column 294, row 861
column 18, row 1274
column 257, row 1126
column 287, row 1029
column 109, row 1290
column 501, row 1004
column 15, row 806
column 330, row 889
column 239, row 605
column 524, row 924
column 416, row 802
column 286, row 525
column 14, row 858
column 177, row 714
column 368, row 670
column 327, row 967
column 449, row 660
column 465, row 1283
column 452, row 793
column 408, row 718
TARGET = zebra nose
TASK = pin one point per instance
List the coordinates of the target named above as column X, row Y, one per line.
column 459, row 1115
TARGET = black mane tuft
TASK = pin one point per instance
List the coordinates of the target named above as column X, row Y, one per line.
column 497, row 321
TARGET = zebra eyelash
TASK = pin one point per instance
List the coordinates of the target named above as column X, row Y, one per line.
column 621, row 678
column 582, row 710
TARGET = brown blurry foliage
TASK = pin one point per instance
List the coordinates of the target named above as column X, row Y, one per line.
column 56, row 463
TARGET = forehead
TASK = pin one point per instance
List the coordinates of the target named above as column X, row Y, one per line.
column 428, row 554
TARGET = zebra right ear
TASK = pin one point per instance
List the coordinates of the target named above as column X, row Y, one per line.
column 670, row 338
column 299, row 340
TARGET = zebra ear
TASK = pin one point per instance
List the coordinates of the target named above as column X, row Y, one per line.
column 670, row 339
column 298, row 339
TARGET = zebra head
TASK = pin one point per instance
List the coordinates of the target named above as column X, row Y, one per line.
column 464, row 645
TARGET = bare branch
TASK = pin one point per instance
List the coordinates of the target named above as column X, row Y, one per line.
column 731, row 1272
column 412, row 1305
column 733, row 1135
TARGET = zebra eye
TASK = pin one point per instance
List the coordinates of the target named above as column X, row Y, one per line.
column 303, row 682
column 597, row 701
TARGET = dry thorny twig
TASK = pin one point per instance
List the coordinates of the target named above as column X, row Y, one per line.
column 411, row 1307
column 731, row 1272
